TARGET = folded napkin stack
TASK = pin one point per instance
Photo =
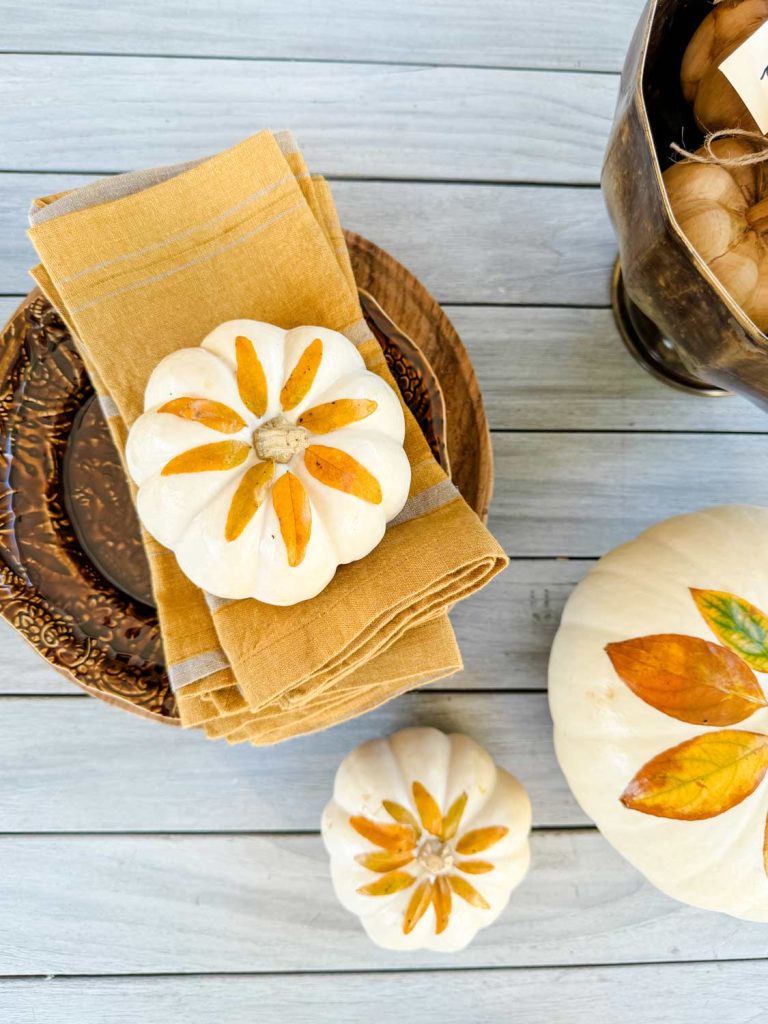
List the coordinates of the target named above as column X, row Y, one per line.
column 142, row 264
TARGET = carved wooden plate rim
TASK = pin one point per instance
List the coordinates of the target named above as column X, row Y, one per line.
column 78, row 644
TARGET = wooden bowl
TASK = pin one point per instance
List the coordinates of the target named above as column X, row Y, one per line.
column 73, row 575
column 689, row 329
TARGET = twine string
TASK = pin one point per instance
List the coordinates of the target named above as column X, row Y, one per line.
column 759, row 156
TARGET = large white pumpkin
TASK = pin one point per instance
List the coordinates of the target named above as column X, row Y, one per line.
column 267, row 458
column 657, row 685
column 427, row 837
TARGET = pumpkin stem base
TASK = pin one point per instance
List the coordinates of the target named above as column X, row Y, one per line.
column 279, row 440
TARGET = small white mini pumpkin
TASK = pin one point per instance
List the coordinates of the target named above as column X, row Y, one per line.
column 267, row 458
column 657, row 685
column 427, row 839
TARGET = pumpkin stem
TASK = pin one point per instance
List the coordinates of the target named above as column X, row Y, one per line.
column 279, row 440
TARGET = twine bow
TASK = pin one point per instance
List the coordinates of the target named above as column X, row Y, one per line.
column 710, row 157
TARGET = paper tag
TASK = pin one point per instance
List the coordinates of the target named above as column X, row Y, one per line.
column 747, row 71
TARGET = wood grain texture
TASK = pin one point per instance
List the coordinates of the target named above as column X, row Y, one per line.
column 563, row 34
column 578, row 995
column 363, row 120
column 473, row 243
column 72, row 765
column 149, row 904
column 581, row 494
column 504, row 632
column 567, row 369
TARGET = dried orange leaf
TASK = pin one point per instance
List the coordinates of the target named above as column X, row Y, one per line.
column 700, row 778
column 396, row 838
column 322, row 419
column 480, row 839
column 401, row 814
column 215, row 415
column 336, row 469
column 739, row 624
column 687, row 678
column 303, row 376
column 251, row 379
column 441, row 900
column 452, row 819
column 208, row 457
column 765, row 848
column 467, row 892
column 474, row 867
column 417, row 906
column 394, row 882
column 429, row 812
column 248, row 497
column 386, row 861
column 294, row 515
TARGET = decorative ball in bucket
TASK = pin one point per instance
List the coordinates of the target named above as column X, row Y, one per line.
column 690, row 292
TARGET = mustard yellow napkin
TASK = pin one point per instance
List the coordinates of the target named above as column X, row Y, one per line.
column 143, row 264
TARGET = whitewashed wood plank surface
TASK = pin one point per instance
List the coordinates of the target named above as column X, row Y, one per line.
column 359, row 120
column 467, row 243
column 704, row 993
column 78, row 765
column 566, row 369
column 154, row 904
column 580, row 494
column 504, row 632
column 562, row 34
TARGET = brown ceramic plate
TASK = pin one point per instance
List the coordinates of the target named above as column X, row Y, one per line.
column 73, row 576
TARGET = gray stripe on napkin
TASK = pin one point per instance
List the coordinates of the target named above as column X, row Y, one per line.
column 216, row 603
column 434, row 497
column 108, row 406
column 197, row 667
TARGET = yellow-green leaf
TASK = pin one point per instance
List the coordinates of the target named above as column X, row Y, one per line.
column 480, row 839
column 420, row 900
column 441, row 901
column 739, row 624
column 394, row 882
column 429, row 812
column 383, row 861
column 401, row 814
column 700, row 778
column 452, row 819
column 687, row 678
column 468, row 892
column 396, row 838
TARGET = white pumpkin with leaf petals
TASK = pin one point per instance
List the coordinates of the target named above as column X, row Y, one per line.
column 657, row 685
column 267, row 458
column 427, row 838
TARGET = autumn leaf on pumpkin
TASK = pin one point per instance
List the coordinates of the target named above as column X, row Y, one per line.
column 687, row 678
column 294, row 514
column 700, row 778
column 302, row 376
column 738, row 624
